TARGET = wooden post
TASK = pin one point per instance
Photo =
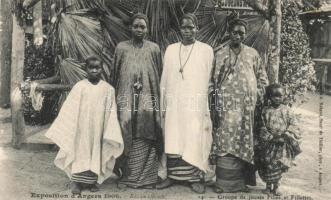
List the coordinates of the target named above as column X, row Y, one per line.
column 18, row 123
column 17, row 64
column 259, row 7
column 274, row 47
column 17, row 59
column 273, row 13
column 5, row 51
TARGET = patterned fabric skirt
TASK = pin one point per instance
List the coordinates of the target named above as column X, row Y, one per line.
column 229, row 174
column 142, row 165
column 87, row 177
column 277, row 158
column 271, row 173
column 180, row 170
column 284, row 153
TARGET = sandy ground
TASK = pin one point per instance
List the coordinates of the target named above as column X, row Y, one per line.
column 27, row 174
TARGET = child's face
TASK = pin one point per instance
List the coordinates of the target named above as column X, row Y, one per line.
column 93, row 70
column 276, row 96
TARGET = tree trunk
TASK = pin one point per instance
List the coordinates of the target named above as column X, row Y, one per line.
column 17, row 59
column 259, row 7
column 5, row 51
column 18, row 123
column 274, row 48
column 17, row 64
column 273, row 13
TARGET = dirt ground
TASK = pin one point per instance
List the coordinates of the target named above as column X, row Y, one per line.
column 27, row 174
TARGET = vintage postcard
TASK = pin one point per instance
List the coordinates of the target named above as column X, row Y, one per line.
column 165, row 99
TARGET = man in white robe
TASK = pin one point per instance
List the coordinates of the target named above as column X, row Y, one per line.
column 186, row 120
column 87, row 131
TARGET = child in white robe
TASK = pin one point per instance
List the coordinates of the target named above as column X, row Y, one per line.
column 87, row 131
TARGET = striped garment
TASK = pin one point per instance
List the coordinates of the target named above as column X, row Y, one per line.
column 87, row 177
column 272, row 173
column 273, row 157
column 180, row 170
column 142, row 165
column 229, row 174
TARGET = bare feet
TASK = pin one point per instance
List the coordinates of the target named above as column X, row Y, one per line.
column 164, row 184
column 94, row 188
column 218, row 190
column 245, row 190
column 198, row 188
column 121, row 186
column 75, row 188
column 153, row 186
column 276, row 191
column 268, row 189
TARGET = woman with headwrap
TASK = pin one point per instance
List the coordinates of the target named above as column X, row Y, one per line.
column 137, row 68
column 239, row 78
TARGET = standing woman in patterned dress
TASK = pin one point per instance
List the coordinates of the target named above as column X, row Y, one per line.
column 239, row 78
column 137, row 68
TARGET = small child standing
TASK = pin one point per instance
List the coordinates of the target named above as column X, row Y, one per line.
column 87, row 131
column 278, row 139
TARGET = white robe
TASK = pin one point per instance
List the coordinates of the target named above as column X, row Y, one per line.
column 87, row 130
column 184, row 102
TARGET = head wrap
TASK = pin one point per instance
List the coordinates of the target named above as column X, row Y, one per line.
column 235, row 22
column 191, row 17
column 139, row 16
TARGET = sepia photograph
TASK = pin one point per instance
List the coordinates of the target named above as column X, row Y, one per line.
column 165, row 99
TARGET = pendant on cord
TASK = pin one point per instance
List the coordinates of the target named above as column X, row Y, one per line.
column 181, row 72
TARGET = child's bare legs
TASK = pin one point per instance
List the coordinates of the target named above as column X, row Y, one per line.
column 91, row 187
column 84, row 180
column 75, row 188
column 94, row 188
column 272, row 188
column 275, row 189
column 268, row 188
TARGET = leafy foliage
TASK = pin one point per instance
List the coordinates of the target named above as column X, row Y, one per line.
column 296, row 71
column 85, row 27
column 38, row 64
column 78, row 35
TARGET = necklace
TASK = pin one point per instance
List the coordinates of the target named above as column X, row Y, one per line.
column 230, row 69
column 230, row 57
column 181, row 70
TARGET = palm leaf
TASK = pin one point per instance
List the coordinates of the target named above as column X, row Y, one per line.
column 78, row 36
column 71, row 71
column 73, row 5
column 80, row 33
column 114, row 30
